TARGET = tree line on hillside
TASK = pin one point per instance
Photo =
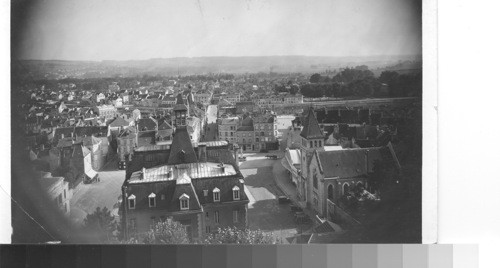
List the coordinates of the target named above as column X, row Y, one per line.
column 361, row 82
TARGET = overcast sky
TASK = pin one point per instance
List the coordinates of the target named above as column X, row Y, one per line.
column 132, row 29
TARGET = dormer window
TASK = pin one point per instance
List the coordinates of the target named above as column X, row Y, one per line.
column 236, row 193
column 216, row 194
column 131, row 202
column 152, row 200
column 184, row 200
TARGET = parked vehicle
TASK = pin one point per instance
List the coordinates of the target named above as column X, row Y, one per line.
column 272, row 156
column 283, row 199
column 242, row 158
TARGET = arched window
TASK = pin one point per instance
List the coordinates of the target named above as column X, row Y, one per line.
column 315, row 180
column 330, row 192
column 311, row 144
column 345, row 188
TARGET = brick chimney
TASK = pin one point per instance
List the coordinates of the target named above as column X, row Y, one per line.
column 202, row 153
column 235, row 151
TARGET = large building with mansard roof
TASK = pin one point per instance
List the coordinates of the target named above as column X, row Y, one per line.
column 198, row 185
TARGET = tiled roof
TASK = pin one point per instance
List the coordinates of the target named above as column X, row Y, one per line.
column 311, row 128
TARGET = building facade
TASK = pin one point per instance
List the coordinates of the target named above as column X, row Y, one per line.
column 200, row 187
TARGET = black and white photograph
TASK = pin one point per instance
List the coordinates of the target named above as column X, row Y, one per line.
column 218, row 122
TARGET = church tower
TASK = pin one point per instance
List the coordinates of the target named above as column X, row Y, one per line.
column 312, row 138
column 180, row 113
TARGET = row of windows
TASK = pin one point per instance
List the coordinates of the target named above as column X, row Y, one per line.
column 184, row 198
column 217, row 219
column 316, row 144
column 265, row 127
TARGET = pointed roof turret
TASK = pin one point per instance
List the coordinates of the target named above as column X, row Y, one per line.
column 182, row 150
column 180, row 106
column 311, row 128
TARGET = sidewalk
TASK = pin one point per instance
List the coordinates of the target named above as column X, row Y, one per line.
column 284, row 183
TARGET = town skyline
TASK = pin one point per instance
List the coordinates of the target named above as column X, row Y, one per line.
column 87, row 30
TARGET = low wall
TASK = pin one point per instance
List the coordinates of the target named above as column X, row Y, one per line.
column 338, row 215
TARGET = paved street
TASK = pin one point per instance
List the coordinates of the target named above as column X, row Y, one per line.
column 211, row 131
column 106, row 193
column 264, row 212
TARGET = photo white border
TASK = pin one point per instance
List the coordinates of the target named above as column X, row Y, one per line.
column 5, row 144
column 429, row 122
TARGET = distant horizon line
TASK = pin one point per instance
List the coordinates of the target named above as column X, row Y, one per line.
column 186, row 57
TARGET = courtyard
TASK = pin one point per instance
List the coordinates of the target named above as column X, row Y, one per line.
column 264, row 212
column 105, row 193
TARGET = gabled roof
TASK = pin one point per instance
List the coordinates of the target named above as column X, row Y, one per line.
column 311, row 128
column 182, row 150
column 164, row 125
column 119, row 122
column 144, row 124
column 349, row 163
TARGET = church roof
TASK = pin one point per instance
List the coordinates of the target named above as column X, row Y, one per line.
column 182, row 150
column 311, row 128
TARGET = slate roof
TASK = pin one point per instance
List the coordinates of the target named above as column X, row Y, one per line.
column 224, row 184
column 311, row 128
column 182, row 150
column 190, row 179
column 146, row 124
column 98, row 131
column 348, row 163
column 164, row 125
column 88, row 141
column 119, row 122
column 171, row 192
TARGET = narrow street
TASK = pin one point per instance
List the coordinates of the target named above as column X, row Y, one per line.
column 211, row 128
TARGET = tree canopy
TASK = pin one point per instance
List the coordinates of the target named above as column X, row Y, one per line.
column 233, row 235
column 101, row 224
column 167, row 232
